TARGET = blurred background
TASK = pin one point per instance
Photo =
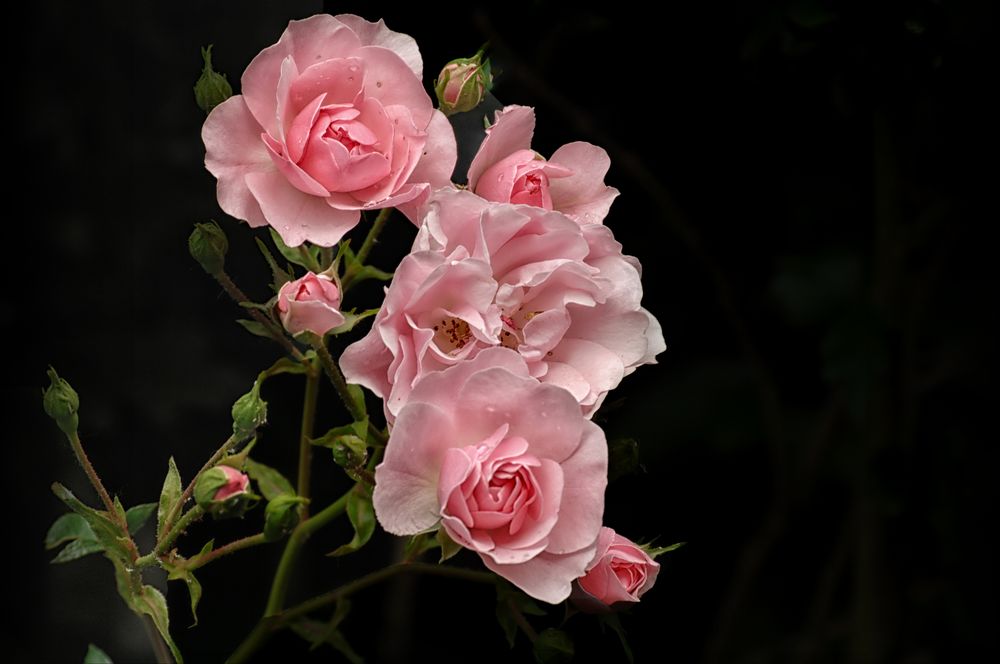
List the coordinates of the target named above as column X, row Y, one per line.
column 803, row 183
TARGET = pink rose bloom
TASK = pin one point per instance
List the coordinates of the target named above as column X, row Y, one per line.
column 236, row 483
column 620, row 572
column 507, row 170
column 333, row 119
column 485, row 274
column 506, row 465
column 310, row 304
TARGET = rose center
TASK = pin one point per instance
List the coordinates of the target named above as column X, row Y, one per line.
column 512, row 335
column 340, row 134
column 532, row 189
column 452, row 334
column 628, row 575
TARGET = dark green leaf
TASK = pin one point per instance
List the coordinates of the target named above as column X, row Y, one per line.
column 418, row 545
column 152, row 602
column 178, row 573
column 254, row 327
column 270, row 482
column 623, row 457
column 169, row 496
column 137, row 516
column 280, row 276
column 66, row 528
column 106, row 531
column 284, row 365
column 362, row 517
column 318, row 633
column 78, row 549
column 358, row 394
column 306, row 256
column 553, row 646
column 351, row 319
column 509, row 601
column 612, row 621
column 331, row 437
column 96, row 656
column 370, row 272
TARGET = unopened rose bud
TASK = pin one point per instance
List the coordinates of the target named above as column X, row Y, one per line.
column 620, row 573
column 212, row 87
column 61, row 403
column 310, row 304
column 208, row 245
column 224, row 492
column 463, row 83
column 281, row 516
column 249, row 412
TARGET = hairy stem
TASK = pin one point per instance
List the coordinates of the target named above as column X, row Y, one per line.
column 337, row 378
column 176, row 509
column 170, row 537
column 276, row 332
column 225, row 550
column 95, row 480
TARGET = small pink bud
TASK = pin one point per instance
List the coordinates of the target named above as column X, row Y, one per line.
column 621, row 572
column 463, row 83
column 310, row 304
column 236, row 482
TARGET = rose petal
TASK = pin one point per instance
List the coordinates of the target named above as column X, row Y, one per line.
column 232, row 150
column 512, row 130
column 582, row 195
column 582, row 508
column 547, row 577
column 296, row 216
column 377, row 34
column 391, row 81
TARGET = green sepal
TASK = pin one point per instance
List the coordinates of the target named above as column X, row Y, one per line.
column 351, row 319
column 655, row 551
column 362, row 516
column 282, row 515
column 96, row 656
column 280, row 276
column 61, row 403
column 553, row 646
column 169, row 496
column 211, row 88
column 249, row 412
column 449, row 547
column 208, row 245
column 305, row 255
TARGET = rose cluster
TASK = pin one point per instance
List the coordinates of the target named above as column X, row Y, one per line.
column 503, row 330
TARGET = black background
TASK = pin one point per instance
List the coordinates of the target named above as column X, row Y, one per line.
column 805, row 186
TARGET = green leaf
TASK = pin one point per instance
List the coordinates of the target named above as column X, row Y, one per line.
column 77, row 549
column 106, row 531
column 254, row 327
column 280, row 276
column 330, row 438
column 611, row 620
column 67, row 528
column 358, row 394
column 152, row 603
column 449, row 547
column 351, row 319
column 509, row 600
column 370, row 272
column 418, row 545
column 623, row 457
column 137, row 516
column 285, row 365
column 362, row 517
column 658, row 551
column 169, row 496
column 317, row 633
column 306, row 256
column 96, row 656
column 179, row 573
column 270, row 482
column 553, row 646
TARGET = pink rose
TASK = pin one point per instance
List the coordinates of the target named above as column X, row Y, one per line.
column 506, row 465
column 333, row 119
column 485, row 274
column 620, row 572
column 236, row 483
column 310, row 304
column 507, row 170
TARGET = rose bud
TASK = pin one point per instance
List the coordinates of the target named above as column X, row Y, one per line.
column 224, row 492
column 310, row 304
column 61, row 403
column 212, row 87
column 208, row 245
column 281, row 516
column 462, row 84
column 621, row 572
column 249, row 412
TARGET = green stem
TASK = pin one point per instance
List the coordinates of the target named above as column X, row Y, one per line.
column 299, row 536
column 179, row 505
column 240, row 297
column 305, row 438
column 337, row 378
column 366, row 247
column 225, row 550
column 169, row 537
column 95, row 480
column 311, row 264
column 270, row 624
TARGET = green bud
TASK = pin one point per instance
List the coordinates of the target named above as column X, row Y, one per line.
column 349, row 451
column 61, row 403
column 249, row 412
column 212, row 87
column 281, row 516
column 463, row 83
column 224, row 492
column 208, row 245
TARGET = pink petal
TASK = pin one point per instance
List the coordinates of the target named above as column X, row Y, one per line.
column 585, row 476
column 376, row 34
column 404, row 504
column 437, row 162
column 296, row 216
column 511, row 131
column 583, row 195
column 421, row 437
column 601, row 368
column 391, row 81
column 339, row 81
column 233, row 149
column 547, row 577
column 293, row 173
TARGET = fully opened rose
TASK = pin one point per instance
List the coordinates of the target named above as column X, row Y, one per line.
column 483, row 275
column 506, row 465
column 332, row 120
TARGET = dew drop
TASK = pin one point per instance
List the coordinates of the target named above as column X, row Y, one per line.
column 378, row 84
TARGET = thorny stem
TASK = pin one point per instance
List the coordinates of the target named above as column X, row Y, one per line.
column 95, row 480
column 179, row 505
column 240, row 297
column 169, row 537
column 337, row 378
column 270, row 624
